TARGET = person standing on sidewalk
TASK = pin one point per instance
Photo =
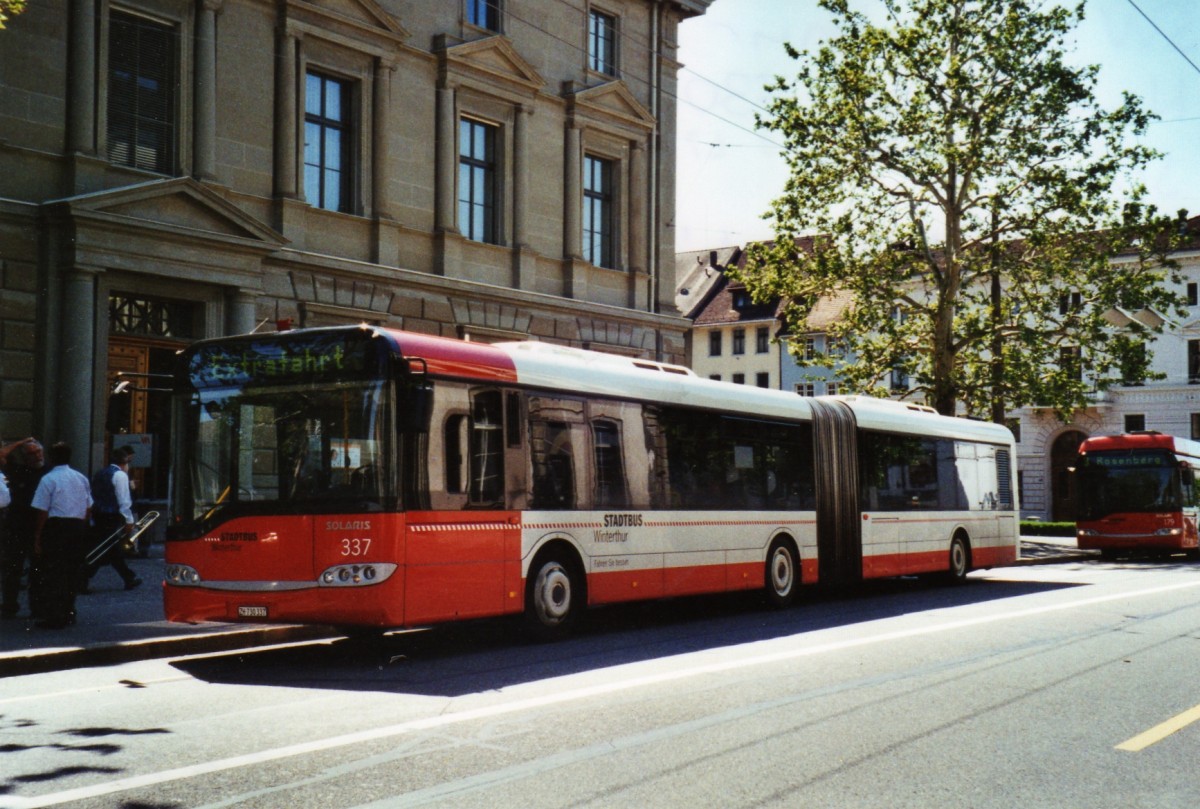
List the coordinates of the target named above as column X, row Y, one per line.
column 63, row 505
column 113, row 511
column 16, row 543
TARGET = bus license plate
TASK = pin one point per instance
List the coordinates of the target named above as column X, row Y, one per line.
column 252, row 612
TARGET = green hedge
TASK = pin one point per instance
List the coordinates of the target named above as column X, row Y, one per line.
column 1037, row 528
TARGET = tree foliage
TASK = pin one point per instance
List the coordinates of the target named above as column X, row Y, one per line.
column 10, row 8
column 962, row 179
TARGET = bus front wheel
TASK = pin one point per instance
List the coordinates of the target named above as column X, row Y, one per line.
column 555, row 597
column 782, row 573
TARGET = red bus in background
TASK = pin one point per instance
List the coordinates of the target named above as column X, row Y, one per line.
column 1138, row 493
column 367, row 477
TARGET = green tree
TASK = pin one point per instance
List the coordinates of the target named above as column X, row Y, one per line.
column 963, row 181
column 10, row 8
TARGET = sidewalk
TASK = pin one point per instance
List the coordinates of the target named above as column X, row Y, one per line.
column 117, row 626
column 114, row 625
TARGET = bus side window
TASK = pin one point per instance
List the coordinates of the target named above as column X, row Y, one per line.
column 610, row 466
column 456, row 458
column 553, row 465
column 486, row 461
column 1187, row 479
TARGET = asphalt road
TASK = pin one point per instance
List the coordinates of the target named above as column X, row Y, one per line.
column 1059, row 686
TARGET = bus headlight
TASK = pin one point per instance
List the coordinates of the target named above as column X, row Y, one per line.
column 356, row 575
column 1168, row 532
column 1088, row 532
column 183, row 575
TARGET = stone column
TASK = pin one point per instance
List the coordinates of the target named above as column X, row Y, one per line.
column 77, row 361
column 285, row 114
column 638, row 191
column 573, row 200
column 240, row 315
column 520, row 197
column 381, row 120
column 205, row 114
column 81, row 106
column 446, row 154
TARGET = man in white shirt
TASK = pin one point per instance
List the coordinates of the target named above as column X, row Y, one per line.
column 62, row 507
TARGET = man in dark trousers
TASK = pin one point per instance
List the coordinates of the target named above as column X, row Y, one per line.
column 63, row 505
column 16, row 544
column 112, row 512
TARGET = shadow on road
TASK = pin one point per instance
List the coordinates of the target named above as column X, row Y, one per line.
column 458, row 659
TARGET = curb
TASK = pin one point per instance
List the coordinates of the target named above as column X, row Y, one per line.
column 35, row 662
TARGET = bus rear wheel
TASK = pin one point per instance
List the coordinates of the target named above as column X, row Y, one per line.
column 960, row 560
column 554, row 597
column 782, row 573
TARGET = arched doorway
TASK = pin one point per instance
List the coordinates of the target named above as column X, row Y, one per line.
column 1062, row 482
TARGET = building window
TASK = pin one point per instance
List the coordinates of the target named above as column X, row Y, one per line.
column 1069, row 302
column 151, row 317
column 1193, row 362
column 598, row 211
column 1133, row 369
column 833, row 388
column 141, row 93
column 1196, row 426
column 898, row 380
column 1070, row 360
column 602, row 43
column 477, row 180
column 714, row 344
column 806, row 389
column 762, row 340
column 741, row 298
column 762, row 379
column 327, row 142
column 484, row 14
column 1193, row 294
column 1014, row 425
column 739, row 379
column 715, row 377
column 810, row 348
column 1135, row 422
column 739, row 341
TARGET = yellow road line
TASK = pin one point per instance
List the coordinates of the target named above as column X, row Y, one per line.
column 1159, row 732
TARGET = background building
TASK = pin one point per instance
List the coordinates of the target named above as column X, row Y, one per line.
column 1046, row 445
column 179, row 169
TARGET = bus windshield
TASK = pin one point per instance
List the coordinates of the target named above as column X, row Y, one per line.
column 1128, row 481
column 274, row 449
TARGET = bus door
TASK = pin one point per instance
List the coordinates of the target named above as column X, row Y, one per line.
column 839, row 529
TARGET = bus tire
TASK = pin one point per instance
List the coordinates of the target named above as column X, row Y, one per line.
column 555, row 595
column 960, row 559
column 782, row 573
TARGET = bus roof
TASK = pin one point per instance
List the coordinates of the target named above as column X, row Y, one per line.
column 1142, row 440
column 574, row 370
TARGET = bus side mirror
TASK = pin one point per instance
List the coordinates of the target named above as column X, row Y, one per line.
column 415, row 408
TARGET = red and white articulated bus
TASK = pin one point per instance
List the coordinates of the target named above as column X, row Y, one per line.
column 1137, row 492
column 371, row 478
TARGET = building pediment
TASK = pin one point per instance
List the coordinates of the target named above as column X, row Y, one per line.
column 612, row 102
column 180, row 206
column 493, row 61
column 358, row 23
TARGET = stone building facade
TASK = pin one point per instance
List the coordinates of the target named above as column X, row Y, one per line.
column 179, row 169
column 1046, row 444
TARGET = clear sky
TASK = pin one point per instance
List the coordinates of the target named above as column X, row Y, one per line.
column 728, row 174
